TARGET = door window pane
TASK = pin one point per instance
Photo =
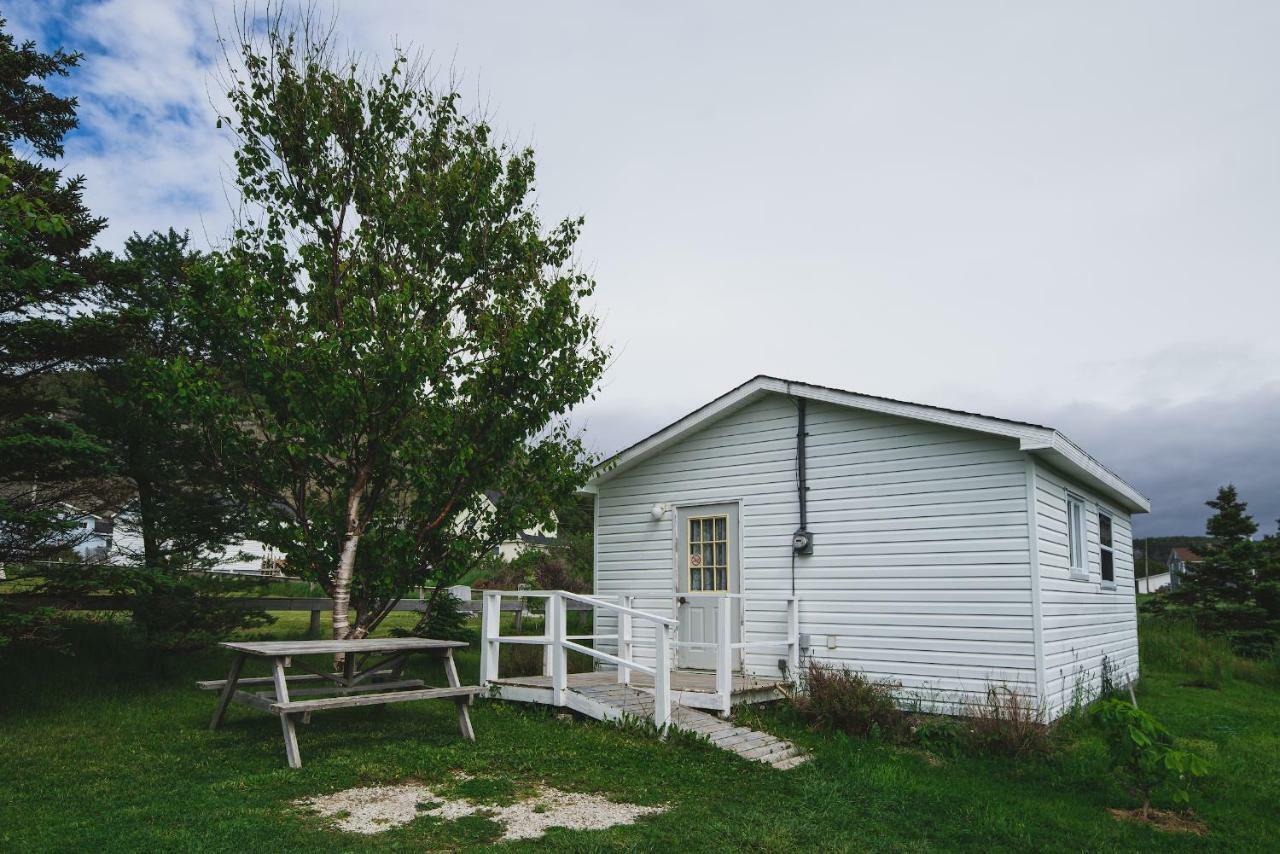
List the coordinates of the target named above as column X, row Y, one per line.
column 709, row 553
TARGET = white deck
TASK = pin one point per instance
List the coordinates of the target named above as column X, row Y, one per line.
column 599, row 695
column 691, row 688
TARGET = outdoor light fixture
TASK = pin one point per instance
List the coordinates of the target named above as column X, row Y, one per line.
column 659, row 512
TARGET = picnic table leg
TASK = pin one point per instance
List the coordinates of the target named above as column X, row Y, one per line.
column 228, row 690
column 286, row 722
column 464, row 717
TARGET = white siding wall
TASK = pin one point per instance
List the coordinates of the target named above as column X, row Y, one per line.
column 921, row 564
column 1083, row 621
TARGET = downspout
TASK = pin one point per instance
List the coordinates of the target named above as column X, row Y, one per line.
column 801, row 482
column 801, row 540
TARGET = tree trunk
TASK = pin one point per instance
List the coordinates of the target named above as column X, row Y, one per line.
column 146, row 518
column 347, row 558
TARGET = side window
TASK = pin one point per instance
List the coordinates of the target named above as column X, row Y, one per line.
column 1076, row 535
column 1108, row 554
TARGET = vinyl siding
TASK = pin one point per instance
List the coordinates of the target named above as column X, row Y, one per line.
column 921, row 564
column 1083, row 621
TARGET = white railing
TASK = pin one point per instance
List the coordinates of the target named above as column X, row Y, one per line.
column 556, row 643
column 725, row 646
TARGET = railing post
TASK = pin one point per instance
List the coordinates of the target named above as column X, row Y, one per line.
column 624, row 640
column 490, row 629
column 793, row 639
column 548, row 633
column 662, row 677
column 724, row 654
column 559, row 662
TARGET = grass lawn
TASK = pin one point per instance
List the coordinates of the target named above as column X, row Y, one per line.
column 109, row 750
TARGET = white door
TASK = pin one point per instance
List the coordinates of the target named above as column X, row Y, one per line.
column 707, row 563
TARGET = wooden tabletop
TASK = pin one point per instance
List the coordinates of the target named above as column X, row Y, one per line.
column 318, row 647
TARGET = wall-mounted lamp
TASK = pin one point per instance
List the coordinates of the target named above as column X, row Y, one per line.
column 659, row 511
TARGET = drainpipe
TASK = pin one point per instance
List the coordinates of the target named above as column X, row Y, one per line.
column 801, row 540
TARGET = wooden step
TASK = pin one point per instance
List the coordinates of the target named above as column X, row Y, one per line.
column 791, row 761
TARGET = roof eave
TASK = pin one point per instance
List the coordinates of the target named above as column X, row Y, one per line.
column 1066, row 456
column 1056, row 448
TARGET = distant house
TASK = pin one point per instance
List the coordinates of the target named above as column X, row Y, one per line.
column 91, row 536
column 116, row 538
column 1153, row 583
column 536, row 538
column 1181, row 561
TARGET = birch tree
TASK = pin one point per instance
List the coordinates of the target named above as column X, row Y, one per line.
column 391, row 330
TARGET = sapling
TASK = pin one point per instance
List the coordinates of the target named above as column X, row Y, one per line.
column 1143, row 750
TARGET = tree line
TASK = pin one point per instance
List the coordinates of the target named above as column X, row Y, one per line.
column 388, row 331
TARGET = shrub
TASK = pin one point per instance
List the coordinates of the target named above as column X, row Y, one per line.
column 1007, row 723
column 943, row 735
column 1143, row 751
column 180, row 610
column 838, row 698
column 443, row 618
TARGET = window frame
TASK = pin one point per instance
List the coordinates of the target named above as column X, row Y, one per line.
column 1105, row 549
column 1077, row 529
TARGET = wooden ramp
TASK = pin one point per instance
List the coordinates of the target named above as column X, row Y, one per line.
column 600, row 696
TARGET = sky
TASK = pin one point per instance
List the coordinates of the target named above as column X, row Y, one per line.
column 1059, row 213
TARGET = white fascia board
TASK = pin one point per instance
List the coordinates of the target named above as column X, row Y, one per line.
column 722, row 405
column 1095, row 473
column 1068, row 457
column 914, row 411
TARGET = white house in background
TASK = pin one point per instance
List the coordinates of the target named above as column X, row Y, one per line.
column 537, row 538
column 91, row 536
column 1181, row 561
column 1153, row 583
column 941, row 549
column 117, row 539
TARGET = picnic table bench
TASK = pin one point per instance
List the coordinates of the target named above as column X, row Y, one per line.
column 360, row 684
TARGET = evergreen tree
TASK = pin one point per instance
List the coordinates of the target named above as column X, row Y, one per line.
column 46, row 461
column 1221, row 593
column 1231, row 523
column 183, row 514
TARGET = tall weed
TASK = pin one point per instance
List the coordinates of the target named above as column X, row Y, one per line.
column 1176, row 644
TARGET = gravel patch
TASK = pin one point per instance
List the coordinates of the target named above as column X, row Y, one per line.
column 372, row 809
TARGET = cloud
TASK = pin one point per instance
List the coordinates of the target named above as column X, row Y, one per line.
column 147, row 144
column 861, row 197
column 1178, row 455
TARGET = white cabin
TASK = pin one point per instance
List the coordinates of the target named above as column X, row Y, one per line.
column 949, row 551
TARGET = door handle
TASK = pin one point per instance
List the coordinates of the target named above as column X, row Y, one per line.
column 681, row 600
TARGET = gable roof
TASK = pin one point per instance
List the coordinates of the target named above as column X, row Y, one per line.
column 1186, row 555
column 1044, row 442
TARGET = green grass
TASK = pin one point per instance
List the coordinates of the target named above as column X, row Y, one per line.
column 108, row 750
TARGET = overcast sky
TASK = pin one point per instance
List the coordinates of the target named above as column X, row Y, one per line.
column 1065, row 213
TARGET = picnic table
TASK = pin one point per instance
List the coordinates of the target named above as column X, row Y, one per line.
column 376, row 679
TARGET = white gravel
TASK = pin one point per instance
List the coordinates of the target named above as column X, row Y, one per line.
column 373, row 809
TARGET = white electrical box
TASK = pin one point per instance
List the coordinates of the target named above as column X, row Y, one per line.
column 832, row 641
